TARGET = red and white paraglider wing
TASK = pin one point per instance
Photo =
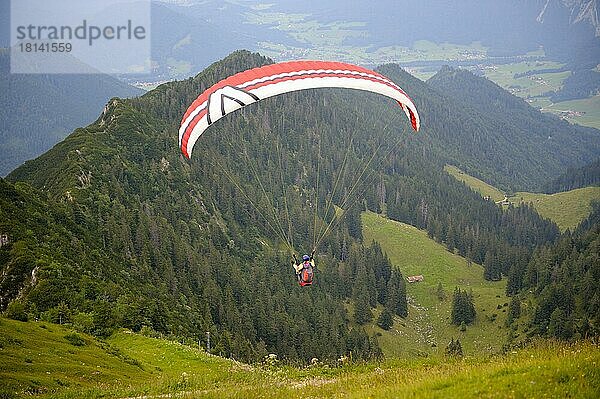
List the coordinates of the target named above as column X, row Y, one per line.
column 253, row 85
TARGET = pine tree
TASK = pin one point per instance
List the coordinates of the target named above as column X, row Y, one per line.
column 560, row 325
column 463, row 309
column 514, row 310
column 362, row 308
column 354, row 222
column 16, row 311
column 385, row 320
column 491, row 269
column 396, row 295
column 454, row 348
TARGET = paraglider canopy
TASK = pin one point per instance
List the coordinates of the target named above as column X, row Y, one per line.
column 253, row 85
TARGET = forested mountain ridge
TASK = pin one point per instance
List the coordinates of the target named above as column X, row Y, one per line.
column 563, row 278
column 172, row 245
column 517, row 147
column 587, row 175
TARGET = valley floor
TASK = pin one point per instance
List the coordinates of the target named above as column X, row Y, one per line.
column 45, row 360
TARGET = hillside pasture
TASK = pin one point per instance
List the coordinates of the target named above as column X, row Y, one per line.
column 427, row 329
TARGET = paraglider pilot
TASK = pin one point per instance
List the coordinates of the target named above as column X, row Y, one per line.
column 304, row 269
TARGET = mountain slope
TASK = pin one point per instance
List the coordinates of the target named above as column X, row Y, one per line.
column 45, row 359
column 566, row 208
column 587, row 175
column 581, row 11
column 48, row 247
column 188, row 39
column 38, row 111
column 427, row 328
column 483, row 188
column 517, row 146
column 563, row 278
column 191, row 256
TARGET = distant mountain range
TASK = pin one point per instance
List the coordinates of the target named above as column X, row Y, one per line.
column 506, row 25
column 186, row 40
column 188, row 35
column 191, row 34
column 37, row 111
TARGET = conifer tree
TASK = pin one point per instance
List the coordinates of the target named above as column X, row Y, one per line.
column 514, row 310
column 354, row 222
column 385, row 320
column 396, row 300
column 491, row 270
column 454, row 348
column 463, row 309
column 560, row 326
column 362, row 308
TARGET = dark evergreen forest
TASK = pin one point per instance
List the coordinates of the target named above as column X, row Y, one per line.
column 564, row 280
column 588, row 175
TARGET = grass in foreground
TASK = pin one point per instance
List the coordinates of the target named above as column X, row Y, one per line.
column 42, row 358
column 547, row 369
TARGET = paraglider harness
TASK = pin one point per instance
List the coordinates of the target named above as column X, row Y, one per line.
column 304, row 275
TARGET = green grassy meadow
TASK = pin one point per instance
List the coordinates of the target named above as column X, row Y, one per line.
column 480, row 186
column 38, row 359
column 566, row 209
column 427, row 330
column 527, row 86
column 43, row 364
